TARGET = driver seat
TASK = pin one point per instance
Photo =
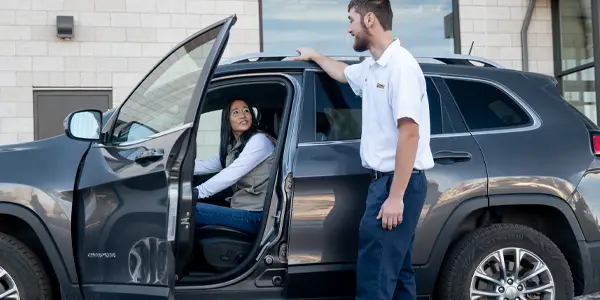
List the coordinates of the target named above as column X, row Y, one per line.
column 224, row 247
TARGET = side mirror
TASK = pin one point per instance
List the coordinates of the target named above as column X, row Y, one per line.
column 84, row 125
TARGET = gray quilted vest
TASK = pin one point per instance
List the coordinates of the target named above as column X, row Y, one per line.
column 249, row 193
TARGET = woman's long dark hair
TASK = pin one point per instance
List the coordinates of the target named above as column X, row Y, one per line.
column 227, row 138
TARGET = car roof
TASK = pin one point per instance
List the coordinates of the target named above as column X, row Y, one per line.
column 495, row 72
column 431, row 68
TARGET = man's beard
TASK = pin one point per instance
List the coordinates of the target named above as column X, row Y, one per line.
column 360, row 43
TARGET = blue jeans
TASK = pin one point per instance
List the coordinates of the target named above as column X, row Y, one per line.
column 384, row 266
column 243, row 220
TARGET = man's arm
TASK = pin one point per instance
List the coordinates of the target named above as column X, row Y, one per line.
column 333, row 68
column 354, row 74
column 407, row 94
column 406, row 150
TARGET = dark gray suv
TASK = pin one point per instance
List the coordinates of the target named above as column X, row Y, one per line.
column 106, row 210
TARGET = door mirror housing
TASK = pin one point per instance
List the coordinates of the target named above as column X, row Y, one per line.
column 84, row 125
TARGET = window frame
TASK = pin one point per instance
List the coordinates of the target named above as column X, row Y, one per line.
column 559, row 72
column 230, row 81
column 307, row 133
column 532, row 125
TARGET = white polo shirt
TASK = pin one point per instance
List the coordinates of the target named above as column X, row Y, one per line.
column 391, row 88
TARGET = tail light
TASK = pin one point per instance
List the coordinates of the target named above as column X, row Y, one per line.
column 596, row 144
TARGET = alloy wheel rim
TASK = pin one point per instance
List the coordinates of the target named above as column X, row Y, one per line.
column 8, row 287
column 512, row 274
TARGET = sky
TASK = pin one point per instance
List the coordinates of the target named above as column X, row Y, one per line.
column 323, row 25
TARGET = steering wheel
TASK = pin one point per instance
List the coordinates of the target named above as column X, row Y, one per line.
column 200, row 179
column 218, row 198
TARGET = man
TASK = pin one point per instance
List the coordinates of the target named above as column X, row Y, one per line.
column 394, row 144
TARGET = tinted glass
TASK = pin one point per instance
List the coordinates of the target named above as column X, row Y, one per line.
column 484, row 106
column 339, row 115
column 163, row 98
column 576, row 31
column 323, row 25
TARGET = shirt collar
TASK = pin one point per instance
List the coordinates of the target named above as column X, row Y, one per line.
column 387, row 54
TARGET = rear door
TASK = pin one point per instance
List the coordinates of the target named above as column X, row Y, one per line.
column 330, row 186
column 134, row 214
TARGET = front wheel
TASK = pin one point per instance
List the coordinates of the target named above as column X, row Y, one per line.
column 505, row 261
column 22, row 275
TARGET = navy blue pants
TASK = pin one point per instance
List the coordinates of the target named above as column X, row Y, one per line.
column 384, row 267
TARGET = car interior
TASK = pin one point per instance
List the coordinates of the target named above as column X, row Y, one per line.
column 220, row 250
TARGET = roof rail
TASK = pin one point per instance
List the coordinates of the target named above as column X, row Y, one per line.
column 450, row 59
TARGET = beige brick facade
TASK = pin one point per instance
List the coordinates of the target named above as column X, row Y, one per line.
column 117, row 41
column 115, row 44
column 495, row 27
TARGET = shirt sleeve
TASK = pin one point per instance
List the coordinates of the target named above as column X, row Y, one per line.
column 355, row 75
column 207, row 166
column 258, row 148
column 407, row 90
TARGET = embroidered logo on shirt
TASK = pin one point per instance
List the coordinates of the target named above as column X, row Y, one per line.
column 380, row 86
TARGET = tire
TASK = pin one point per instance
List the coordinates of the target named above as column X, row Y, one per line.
column 459, row 267
column 24, row 268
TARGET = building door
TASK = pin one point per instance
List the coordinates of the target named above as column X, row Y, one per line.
column 51, row 107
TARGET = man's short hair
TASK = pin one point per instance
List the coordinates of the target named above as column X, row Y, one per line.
column 382, row 9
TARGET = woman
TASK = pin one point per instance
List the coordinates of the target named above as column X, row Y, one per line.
column 244, row 162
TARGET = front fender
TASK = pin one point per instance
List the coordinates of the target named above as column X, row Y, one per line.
column 40, row 175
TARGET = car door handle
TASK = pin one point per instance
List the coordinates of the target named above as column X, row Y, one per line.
column 150, row 155
column 450, row 157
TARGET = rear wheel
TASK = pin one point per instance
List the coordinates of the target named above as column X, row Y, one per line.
column 22, row 275
column 505, row 261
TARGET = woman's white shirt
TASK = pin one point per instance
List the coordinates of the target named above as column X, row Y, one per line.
column 257, row 149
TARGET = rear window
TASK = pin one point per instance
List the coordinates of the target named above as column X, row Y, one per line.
column 486, row 107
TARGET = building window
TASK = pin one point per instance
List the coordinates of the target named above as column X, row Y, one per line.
column 578, row 88
column 574, row 54
column 323, row 25
column 576, row 36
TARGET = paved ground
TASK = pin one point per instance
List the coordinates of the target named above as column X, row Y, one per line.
column 590, row 297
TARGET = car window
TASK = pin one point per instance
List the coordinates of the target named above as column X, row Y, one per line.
column 162, row 100
column 485, row 107
column 338, row 110
column 209, row 134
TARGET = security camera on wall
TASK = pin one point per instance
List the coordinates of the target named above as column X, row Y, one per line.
column 65, row 27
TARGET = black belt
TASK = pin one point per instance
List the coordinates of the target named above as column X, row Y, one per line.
column 377, row 174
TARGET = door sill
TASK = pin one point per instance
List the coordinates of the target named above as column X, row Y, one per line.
column 246, row 292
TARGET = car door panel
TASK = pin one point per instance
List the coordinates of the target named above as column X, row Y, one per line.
column 329, row 200
column 125, row 206
column 135, row 212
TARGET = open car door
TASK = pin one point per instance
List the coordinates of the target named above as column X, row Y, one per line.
column 133, row 217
